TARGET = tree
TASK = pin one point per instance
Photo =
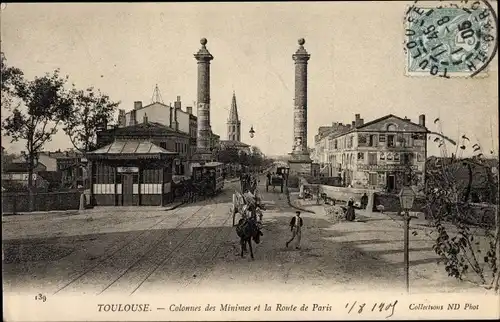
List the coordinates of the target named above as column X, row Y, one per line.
column 9, row 76
column 228, row 155
column 43, row 103
column 91, row 111
column 466, row 244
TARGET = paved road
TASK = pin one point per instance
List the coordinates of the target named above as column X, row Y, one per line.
column 147, row 249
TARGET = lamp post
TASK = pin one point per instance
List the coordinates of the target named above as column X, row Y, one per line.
column 406, row 199
column 252, row 132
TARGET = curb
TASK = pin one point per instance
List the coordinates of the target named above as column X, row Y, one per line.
column 287, row 192
column 175, row 206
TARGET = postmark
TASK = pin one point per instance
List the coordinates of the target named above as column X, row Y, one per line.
column 450, row 39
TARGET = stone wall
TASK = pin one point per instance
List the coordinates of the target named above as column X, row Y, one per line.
column 15, row 202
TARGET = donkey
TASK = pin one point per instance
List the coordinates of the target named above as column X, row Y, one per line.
column 247, row 230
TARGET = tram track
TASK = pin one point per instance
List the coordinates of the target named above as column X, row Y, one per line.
column 171, row 252
column 150, row 231
column 185, row 268
column 159, row 246
column 211, row 261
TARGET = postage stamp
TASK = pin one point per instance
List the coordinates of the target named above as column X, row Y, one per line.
column 458, row 39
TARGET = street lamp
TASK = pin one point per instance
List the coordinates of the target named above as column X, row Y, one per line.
column 406, row 199
column 252, row 132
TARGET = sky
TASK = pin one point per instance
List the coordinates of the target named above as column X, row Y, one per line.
column 357, row 63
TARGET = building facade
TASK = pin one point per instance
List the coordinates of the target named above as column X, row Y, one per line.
column 375, row 155
column 158, row 134
column 171, row 116
column 131, row 173
column 233, row 122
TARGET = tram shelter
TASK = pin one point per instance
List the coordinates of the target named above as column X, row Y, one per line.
column 131, row 173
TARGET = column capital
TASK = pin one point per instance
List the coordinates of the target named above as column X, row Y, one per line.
column 301, row 55
column 203, row 55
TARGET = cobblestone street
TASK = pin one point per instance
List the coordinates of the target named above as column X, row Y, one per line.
column 148, row 249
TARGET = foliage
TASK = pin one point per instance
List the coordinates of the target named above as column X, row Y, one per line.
column 43, row 104
column 91, row 111
column 228, row 155
column 9, row 76
column 468, row 252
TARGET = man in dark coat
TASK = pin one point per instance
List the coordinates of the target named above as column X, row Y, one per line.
column 296, row 229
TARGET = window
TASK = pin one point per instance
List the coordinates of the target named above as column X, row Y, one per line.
column 382, row 155
column 372, row 158
column 396, row 156
column 163, row 145
column 381, row 138
column 335, row 144
column 372, row 140
column 361, row 156
column 372, row 179
column 406, row 158
column 391, row 140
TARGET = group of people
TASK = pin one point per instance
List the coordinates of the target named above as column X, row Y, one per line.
column 248, row 182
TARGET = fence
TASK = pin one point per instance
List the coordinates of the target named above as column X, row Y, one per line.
column 15, row 202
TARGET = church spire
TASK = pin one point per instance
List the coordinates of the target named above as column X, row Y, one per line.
column 233, row 122
column 233, row 113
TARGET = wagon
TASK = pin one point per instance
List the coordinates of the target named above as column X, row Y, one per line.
column 279, row 179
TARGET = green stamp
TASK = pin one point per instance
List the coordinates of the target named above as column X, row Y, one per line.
column 450, row 41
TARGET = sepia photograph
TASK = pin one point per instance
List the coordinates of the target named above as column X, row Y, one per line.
column 250, row 160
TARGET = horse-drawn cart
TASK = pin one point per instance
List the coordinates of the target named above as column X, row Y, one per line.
column 279, row 179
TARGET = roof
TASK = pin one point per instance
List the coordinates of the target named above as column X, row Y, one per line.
column 131, row 148
column 234, row 143
column 388, row 116
column 355, row 129
column 149, row 128
column 207, row 164
column 22, row 167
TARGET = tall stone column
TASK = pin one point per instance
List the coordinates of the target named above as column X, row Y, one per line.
column 300, row 161
column 203, row 57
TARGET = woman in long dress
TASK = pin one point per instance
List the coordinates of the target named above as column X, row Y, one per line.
column 350, row 215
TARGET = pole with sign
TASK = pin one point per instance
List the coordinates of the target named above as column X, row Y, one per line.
column 406, row 198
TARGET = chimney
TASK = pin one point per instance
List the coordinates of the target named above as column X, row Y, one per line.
column 145, row 118
column 132, row 118
column 356, row 119
column 361, row 122
column 175, row 124
column 121, row 118
column 353, row 124
column 170, row 117
column 421, row 120
column 137, row 105
column 177, row 104
column 189, row 110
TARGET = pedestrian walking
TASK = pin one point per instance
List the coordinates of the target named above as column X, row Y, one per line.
column 350, row 213
column 296, row 229
column 364, row 201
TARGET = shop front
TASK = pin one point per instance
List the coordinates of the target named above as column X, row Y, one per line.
column 131, row 173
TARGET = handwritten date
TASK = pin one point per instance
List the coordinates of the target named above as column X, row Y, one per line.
column 361, row 307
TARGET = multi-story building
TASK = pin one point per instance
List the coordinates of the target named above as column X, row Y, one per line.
column 375, row 155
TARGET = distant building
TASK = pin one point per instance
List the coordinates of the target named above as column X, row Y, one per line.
column 373, row 155
column 172, row 117
column 231, row 144
column 233, row 122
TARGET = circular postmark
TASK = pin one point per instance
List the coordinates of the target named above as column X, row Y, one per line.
column 454, row 39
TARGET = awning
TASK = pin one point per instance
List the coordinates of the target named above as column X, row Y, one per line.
column 130, row 149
